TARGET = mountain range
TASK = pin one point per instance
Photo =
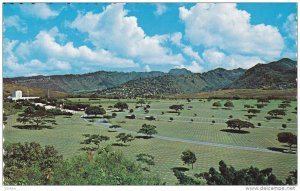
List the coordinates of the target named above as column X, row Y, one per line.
column 279, row 74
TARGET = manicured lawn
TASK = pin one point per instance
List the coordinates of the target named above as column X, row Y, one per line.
column 67, row 135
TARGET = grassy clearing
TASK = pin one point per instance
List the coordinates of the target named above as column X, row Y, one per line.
column 67, row 135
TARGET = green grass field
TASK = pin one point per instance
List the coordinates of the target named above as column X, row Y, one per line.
column 67, row 135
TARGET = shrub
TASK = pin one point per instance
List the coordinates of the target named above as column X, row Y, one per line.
column 162, row 112
column 131, row 111
column 283, row 125
column 132, row 116
column 171, row 118
column 230, row 116
column 213, row 121
column 114, row 114
column 259, row 124
column 150, row 118
column 289, row 119
column 115, row 126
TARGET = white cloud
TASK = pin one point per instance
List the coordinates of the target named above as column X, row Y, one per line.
column 45, row 42
column 147, row 68
column 33, row 66
column 216, row 58
column 116, row 32
column 191, row 53
column 39, row 10
column 160, row 9
column 223, row 26
column 15, row 21
column 194, row 67
column 290, row 26
column 175, row 38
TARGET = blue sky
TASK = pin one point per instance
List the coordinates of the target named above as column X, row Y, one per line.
column 60, row 38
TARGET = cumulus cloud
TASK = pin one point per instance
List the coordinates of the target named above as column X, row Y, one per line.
column 13, row 66
column 16, row 22
column 187, row 50
column 227, row 28
column 216, row 58
column 160, row 9
column 194, row 67
column 116, row 32
column 147, row 68
column 38, row 10
column 62, row 57
column 290, row 26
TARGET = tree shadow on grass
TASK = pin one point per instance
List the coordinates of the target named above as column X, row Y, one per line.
column 32, row 127
column 119, row 145
column 182, row 169
column 282, row 150
column 143, row 137
column 235, row 131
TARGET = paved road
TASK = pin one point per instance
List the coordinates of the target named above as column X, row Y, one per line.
column 191, row 141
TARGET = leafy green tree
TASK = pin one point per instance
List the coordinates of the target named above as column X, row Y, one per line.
column 187, row 180
column 148, row 130
column 95, row 139
column 284, row 105
column 39, row 117
column 124, row 137
column 121, row 106
column 228, row 104
column 237, row 123
column 287, row 137
column 95, row 110
column 292, row 178
column 217, row 104
column 29, row 163
column 176, row 107
column 146, row 159
column 231, row 176
column 188, row 157
column 263, row 100
column 254, row 111
column 141, row 102
column 276, row 112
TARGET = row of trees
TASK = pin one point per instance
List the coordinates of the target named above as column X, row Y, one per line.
column 228, row 175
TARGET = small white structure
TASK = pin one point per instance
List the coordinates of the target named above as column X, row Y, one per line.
column 17, row 95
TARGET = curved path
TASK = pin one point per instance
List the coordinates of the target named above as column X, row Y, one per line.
column 106, row 125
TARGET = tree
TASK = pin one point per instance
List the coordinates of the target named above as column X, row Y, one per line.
column 217, row 104
column 263, row 100
column 4, row 118
column 276, row 112
column 95, row 139
column 141, row 102
column 231, row 176
column 20, row 158
column 148, row 130
column 254, row 111
column 188, row 157
column 237, row 123
column 145, row 158
column 228, row 104
column 38, row 117
column 284, row 105
column 124, row 137
column 121, row 106
column 176, row 107
column 287, row 137
column 94, row 110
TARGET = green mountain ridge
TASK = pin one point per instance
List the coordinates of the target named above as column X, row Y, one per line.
column 275, row 75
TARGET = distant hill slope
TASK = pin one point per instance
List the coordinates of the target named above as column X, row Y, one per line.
column 175, row 84
column 281, row 74
column 33, row 92
column 85, row 82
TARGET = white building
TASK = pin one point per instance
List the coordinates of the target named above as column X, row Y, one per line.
column 17, row 95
